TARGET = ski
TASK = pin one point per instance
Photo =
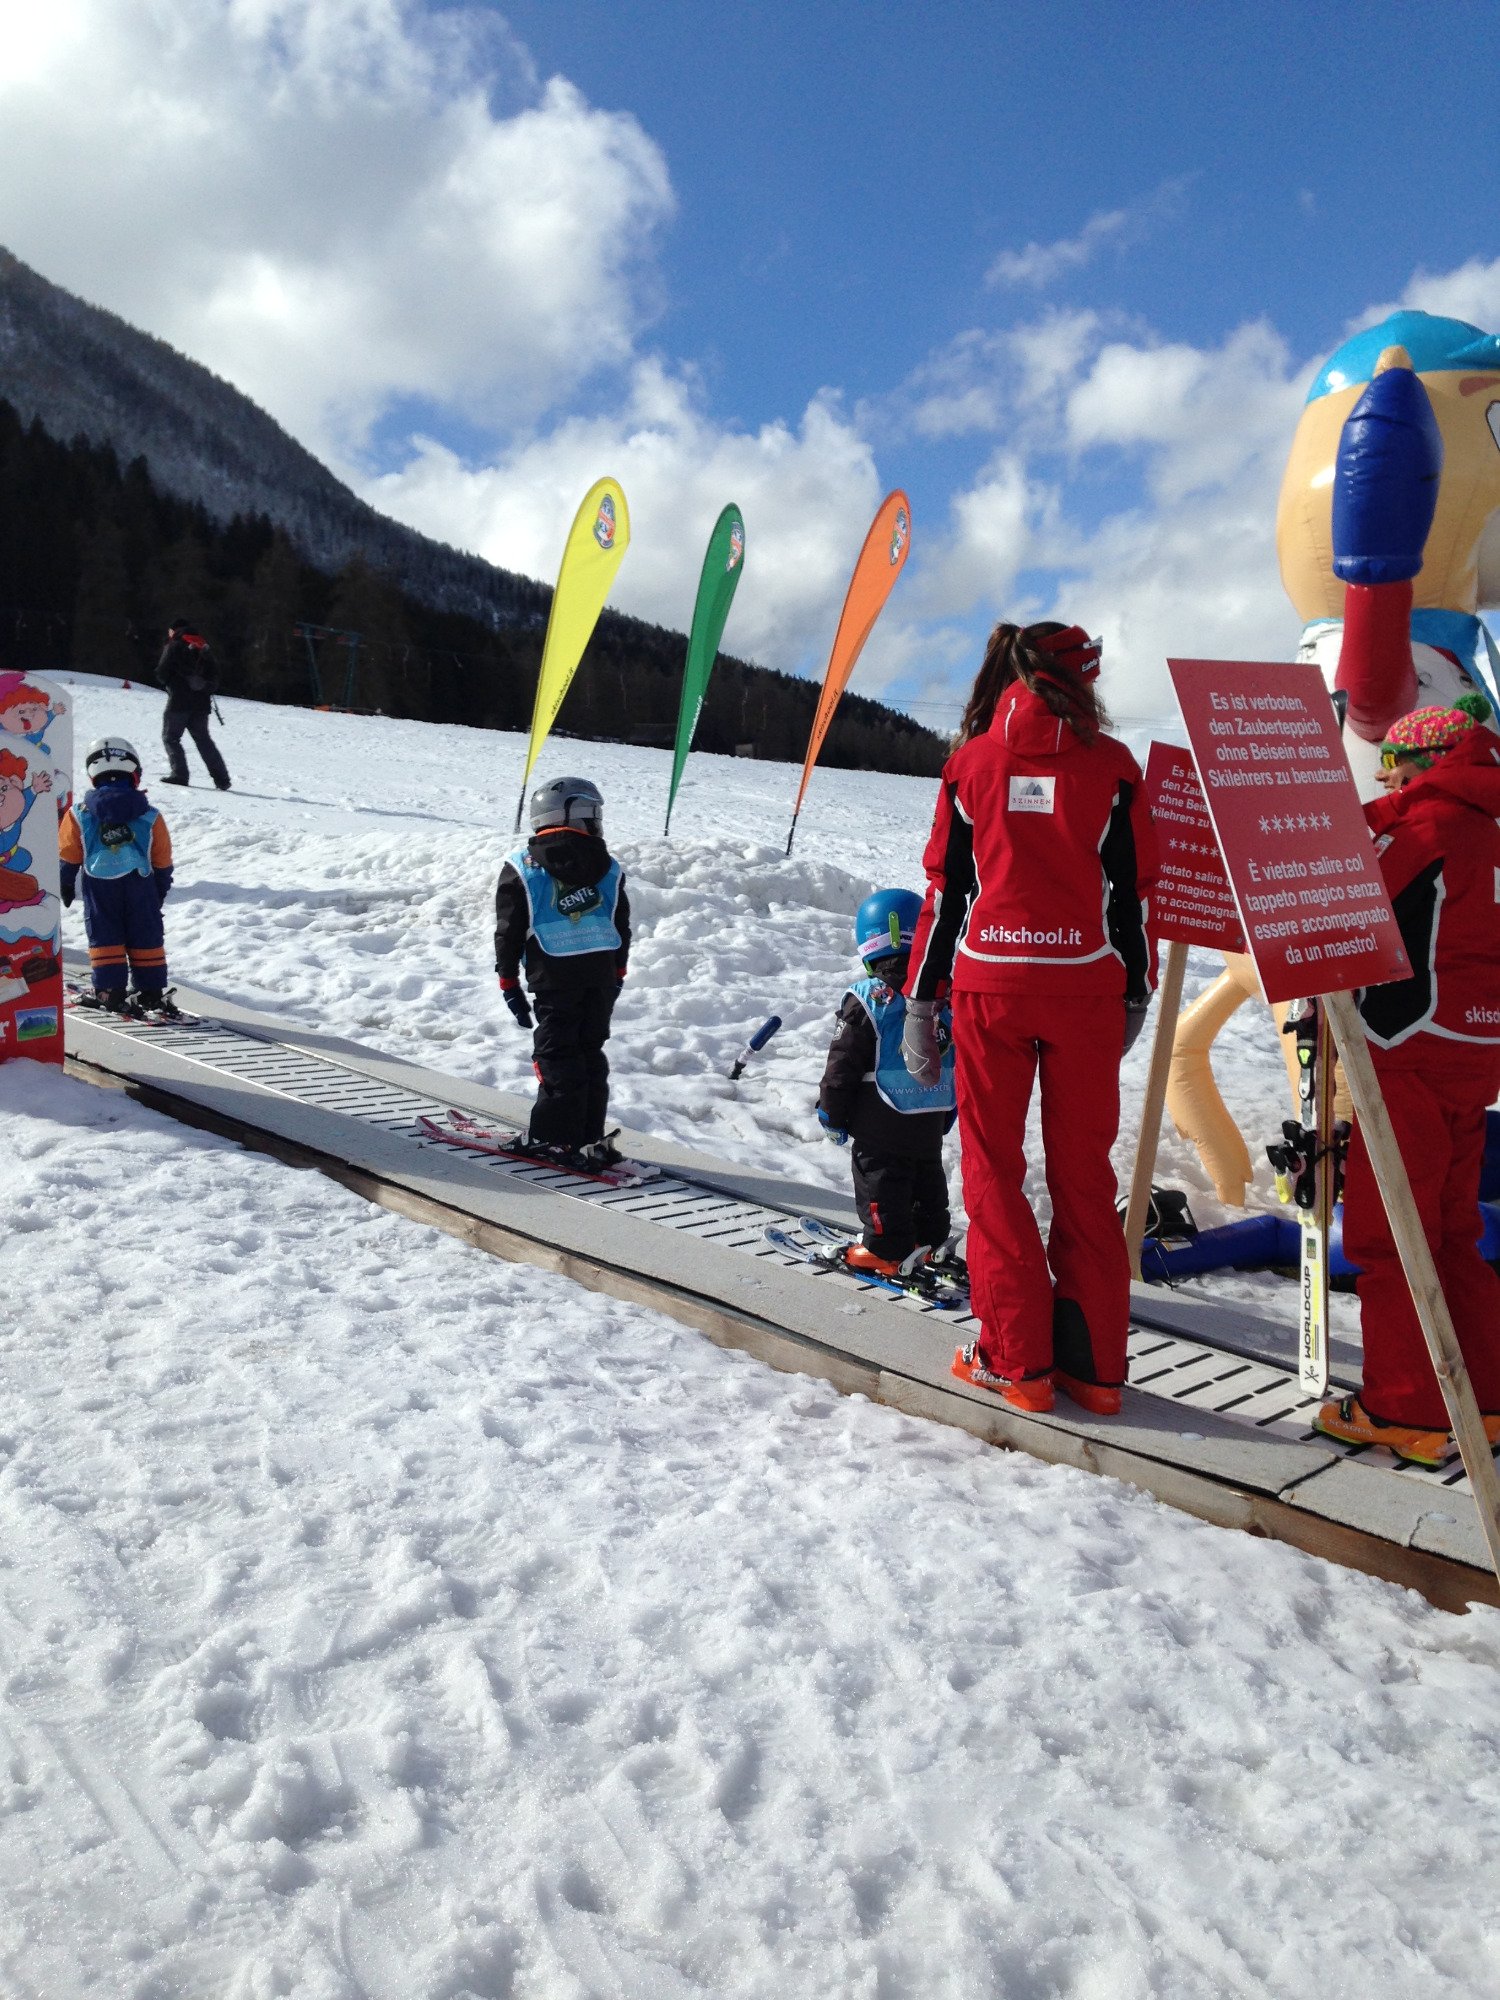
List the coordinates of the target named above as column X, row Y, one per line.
column 84, row 1000
column 502, row 1142
column 1307, row 1175
column 944, row 1263
column 829, row 1256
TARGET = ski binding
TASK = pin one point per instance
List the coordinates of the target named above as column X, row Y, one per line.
column 828, row 1255
column 84, row 1000
column 502, row 1142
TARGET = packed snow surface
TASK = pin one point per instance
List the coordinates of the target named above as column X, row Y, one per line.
column 380, row 1619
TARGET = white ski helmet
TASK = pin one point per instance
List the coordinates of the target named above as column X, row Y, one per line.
column 576, row 802
column 112, row 757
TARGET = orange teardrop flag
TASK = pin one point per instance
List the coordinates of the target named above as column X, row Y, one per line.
column 880, row 562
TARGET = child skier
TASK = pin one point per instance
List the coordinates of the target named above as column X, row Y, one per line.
column 562, row 914
column 120, row 843
column 1435, row 1042
column 866, row 1095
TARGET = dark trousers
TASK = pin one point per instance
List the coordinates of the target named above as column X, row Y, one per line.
column 195, row 722
column 572, row 1071
column 122, row 916
column 902, row 1202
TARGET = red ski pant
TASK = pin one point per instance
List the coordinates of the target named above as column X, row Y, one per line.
column 1437, row 1110
column 1069, row 1302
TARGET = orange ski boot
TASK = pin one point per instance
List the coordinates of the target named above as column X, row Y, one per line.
column 1350, row 1422
column 1031, row 1393
column 1100, row 1399
column 858, row 1258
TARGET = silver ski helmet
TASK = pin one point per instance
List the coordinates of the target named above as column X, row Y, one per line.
column 575, row 802
column 112, row 757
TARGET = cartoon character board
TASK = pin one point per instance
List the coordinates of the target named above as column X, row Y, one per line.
column 35, row 789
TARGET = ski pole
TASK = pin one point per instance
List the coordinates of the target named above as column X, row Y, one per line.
column 218, row 712
column 755, row 1044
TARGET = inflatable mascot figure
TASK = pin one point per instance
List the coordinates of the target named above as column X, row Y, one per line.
column 1388, row 531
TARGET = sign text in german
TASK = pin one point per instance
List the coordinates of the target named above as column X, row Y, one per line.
column 1290, row 826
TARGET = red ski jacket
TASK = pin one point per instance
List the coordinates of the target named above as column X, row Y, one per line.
column 1439, row 851
column 1041, row 860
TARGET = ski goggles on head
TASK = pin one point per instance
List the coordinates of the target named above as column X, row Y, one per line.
column 1072, row 647
column 1389, row 759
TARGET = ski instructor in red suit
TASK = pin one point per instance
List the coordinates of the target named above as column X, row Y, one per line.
column 1041, row 860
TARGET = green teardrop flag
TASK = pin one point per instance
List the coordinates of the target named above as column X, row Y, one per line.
column 722, row 566
column 597, row 540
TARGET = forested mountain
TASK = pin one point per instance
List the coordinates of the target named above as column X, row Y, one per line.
column 136, row 487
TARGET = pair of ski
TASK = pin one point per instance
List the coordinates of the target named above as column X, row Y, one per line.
column 1309, row 1174
column 474, row 1135
column 943, row 1285
column 84, row 1000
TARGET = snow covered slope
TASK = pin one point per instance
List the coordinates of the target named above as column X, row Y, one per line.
column 377, row 1619
column 349, row 877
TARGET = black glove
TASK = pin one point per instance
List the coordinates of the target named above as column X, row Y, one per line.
column 66, row 894
column 515, row 999
column 1135, row 1020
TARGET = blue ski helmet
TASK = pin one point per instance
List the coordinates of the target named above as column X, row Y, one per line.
column 886, row 923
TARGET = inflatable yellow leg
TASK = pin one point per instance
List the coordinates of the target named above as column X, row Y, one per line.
column 1193, row 1102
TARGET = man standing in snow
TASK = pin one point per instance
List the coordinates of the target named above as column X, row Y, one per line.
column 190, row 674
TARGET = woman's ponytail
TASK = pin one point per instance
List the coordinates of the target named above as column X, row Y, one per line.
column 1018, row 653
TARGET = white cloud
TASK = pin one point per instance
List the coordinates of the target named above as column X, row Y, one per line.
column 807, row 492
column 1186, row 564
column 1041, row 264
column 987, row 543
column 317, row 199
column 1210, row 414
column 1472, row 292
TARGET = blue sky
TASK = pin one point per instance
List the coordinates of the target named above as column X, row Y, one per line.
column 1061, row 270
column 842, row 195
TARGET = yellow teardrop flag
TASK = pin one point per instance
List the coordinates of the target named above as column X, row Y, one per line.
column 598, row 538
column 881, row 561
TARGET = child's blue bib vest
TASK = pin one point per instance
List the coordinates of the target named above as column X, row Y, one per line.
column 120, row 849
column 890, row 1076
column 566, row 922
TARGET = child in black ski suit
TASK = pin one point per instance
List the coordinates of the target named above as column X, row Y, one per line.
column 897, row 1125
column 561, row 912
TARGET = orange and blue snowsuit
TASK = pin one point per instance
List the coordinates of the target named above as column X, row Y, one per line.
column 119, row 843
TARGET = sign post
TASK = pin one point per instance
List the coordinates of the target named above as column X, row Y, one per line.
column 1318, row 921
column 1192, row 904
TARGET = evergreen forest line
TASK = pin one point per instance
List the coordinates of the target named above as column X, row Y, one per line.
column 95, row 561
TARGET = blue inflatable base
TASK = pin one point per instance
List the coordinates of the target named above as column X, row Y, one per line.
column 1262, row 1240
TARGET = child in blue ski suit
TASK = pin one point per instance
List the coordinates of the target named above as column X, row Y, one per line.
column 118, row 842
column 867, row 1096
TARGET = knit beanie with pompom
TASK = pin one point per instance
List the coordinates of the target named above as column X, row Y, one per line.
column 1426, row 733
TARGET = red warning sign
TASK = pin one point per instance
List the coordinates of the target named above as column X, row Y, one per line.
column 1290, row 826
column 1192, row 902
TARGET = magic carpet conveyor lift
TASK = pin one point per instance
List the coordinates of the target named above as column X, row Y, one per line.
column 1214, row 1420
